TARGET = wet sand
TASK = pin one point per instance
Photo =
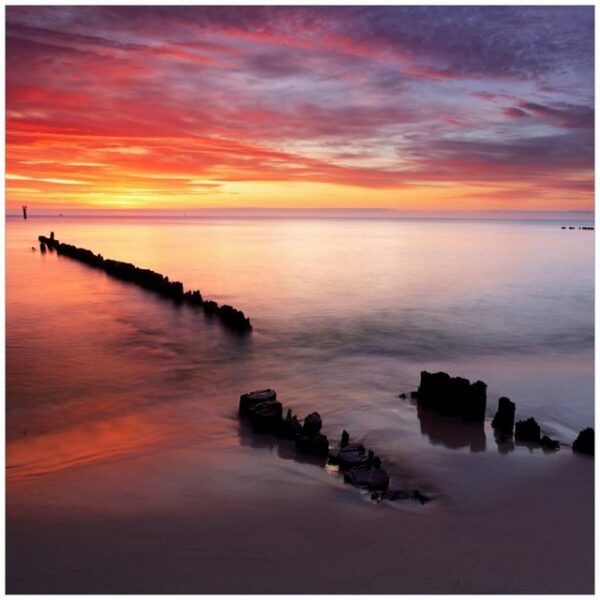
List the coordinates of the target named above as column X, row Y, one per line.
column 179, row 520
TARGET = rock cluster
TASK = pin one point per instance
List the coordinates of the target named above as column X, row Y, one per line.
column 150, row 280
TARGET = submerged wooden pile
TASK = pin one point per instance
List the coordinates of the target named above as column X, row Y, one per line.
column 359, row 466
column 150, row 280
column 455, row 396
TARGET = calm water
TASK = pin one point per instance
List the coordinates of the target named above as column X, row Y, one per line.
column 346, row 314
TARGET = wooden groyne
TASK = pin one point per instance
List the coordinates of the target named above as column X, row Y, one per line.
column 453, row 397
column 150, row 280
column 359, row 466
column 457, row 397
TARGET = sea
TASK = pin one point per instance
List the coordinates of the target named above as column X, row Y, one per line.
column 346, row 313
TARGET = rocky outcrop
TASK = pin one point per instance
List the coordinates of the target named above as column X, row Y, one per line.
column 150, row 280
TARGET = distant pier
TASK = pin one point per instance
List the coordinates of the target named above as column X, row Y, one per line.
column 150, row 280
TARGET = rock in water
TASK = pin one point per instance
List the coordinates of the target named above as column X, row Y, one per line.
column 527, row 431
column 345, row 439
column 312, row 424
column 266, row 416
column 372, row 479
column 474, row 407
column 504, row 421
column 247, row 401
column 585, row 442
column 349, row 456
column 290, row 427
column 318, row 445
column 549, row 443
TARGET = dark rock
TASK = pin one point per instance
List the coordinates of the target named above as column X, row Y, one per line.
column 347, row 456
column 351, row 456
column 453, row 396
column 266, row 416
column 372, row 479
column 42, row 247
column 312, row 424
column 317, row 445
column 345, row 438
column 234, row 318
column 504, row 421
column 585, row 442
column 247, row 401
column 210, row 307
column 527, row 431
column 474, row 408
column 549, row 443
column 403, row 396
column 290, row 427
column 414, row 394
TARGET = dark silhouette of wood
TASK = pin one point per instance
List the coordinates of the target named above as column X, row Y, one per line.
column 453, row 396
column 585, row 442
column 504, row 420
column 150, row 280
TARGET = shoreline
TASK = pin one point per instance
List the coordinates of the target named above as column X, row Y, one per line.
column 259, row 524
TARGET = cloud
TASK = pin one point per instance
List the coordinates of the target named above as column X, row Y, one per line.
column 376, row 97
column 569, row 116
column 515, row 113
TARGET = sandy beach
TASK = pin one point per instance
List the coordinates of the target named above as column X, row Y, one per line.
column 178, row 521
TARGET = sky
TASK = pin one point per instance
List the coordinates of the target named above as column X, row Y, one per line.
column 409, row 108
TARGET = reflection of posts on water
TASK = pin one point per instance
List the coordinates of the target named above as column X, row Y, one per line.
column 451, row 432
column 24, row 212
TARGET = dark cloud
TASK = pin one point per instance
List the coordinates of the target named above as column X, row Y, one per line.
column 443, row 41
column 569, row 116
column 529, row 157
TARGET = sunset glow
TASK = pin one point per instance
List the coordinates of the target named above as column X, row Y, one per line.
column 426, row 108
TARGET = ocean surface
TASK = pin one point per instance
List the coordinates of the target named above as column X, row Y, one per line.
column 346, row 313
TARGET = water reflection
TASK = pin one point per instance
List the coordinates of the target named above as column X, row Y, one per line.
column 505, row 443
column 286, row 449
column 451, row 432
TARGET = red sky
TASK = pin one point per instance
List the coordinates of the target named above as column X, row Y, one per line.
column 411, row 108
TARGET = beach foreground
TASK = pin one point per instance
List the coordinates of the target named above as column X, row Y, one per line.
column 161, row 524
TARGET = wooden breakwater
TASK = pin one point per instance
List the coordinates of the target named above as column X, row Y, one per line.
column 150, row 280
column 453, row 397
column 458, row 397
column 359, row 466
